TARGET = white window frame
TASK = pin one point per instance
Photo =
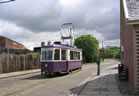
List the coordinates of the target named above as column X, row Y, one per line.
column 59, row 54
column 66, row 54
column 44, row 49
column 77, row 59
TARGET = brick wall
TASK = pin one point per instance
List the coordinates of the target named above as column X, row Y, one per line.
column 7, row 43
column 128, row 55
column 2, row 44
column 12, row 44
column 126, row 40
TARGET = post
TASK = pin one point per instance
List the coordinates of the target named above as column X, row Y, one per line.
column 102, row 53
column 98, row 65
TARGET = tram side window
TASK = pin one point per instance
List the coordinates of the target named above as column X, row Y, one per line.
column 71, row 55
column 78, row 55
column 63, row 54
column 75, row 56
column 57, row 54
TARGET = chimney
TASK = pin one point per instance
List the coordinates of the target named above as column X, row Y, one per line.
column 49, row 42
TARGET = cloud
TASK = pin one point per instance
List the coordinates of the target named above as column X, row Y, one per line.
column 24, row 19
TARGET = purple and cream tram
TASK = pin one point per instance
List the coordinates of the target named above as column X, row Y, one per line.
column 59, row 58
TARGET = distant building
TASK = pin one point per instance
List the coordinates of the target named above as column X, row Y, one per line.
column 8, row 43
column 37, row 49
column 129, row 35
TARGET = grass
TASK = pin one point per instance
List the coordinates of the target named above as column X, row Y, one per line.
column 35, row 54
column 90, row 63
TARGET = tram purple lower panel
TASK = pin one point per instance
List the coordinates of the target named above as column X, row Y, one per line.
column 74, row 64
column 59, row 66
column 54, row 66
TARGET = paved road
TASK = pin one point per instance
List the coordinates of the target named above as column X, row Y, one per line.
column 37, row 85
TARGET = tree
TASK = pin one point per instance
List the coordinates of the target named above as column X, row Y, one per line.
column 89, row 46
column 113, row 52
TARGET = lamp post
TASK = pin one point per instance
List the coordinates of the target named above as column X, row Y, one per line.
column 6, row 1
column 102, row 52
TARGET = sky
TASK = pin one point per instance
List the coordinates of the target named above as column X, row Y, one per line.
column 31, row 22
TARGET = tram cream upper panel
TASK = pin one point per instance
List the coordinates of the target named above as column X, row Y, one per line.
column 58, row 54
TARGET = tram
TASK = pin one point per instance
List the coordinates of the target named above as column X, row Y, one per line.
column 58, row 58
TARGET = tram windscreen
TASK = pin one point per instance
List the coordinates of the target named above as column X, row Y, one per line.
column 47, row 55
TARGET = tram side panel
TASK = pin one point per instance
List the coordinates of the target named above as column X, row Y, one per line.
column 74, row 65
column 74, row 59
column 53, row 66
column 59, row 66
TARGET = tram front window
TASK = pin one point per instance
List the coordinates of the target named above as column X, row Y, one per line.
column 47, row 55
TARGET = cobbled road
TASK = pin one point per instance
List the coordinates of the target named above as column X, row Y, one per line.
column 37, row 85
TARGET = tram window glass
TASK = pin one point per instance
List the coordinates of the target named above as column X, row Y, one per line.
column 71, row 55
column 57, row 54
column 47, row 55
column 78, row 55
column 75, row 56
column 43, row 55
column 63, row 54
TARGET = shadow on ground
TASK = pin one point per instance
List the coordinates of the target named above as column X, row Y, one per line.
column 125, row 87
column 97, row 85
column 39, row 76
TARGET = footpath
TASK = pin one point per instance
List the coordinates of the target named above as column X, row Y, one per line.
column 19, row 73
column 104, row 84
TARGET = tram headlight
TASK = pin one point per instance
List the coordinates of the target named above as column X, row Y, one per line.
column 45, row 65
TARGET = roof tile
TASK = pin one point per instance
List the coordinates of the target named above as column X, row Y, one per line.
column 133, row 8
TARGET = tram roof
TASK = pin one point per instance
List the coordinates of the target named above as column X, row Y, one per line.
column 62, row 46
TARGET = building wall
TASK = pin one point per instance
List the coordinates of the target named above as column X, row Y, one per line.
column 128, row 54
column 2, row 44
column 122, row 22
column 7, row 43
column 126, row 40
column 136, row 57
column 12, row 44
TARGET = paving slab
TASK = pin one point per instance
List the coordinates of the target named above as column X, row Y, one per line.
column 103, row 85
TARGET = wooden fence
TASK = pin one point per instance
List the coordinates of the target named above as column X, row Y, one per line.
column 18, row 62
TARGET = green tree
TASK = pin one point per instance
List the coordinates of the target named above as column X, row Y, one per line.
column 89, row 47
column 113, row 52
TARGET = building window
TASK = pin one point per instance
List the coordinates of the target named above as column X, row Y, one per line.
column 57, row 54
column 63, row 54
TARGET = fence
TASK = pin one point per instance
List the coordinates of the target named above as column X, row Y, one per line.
column 18, row 62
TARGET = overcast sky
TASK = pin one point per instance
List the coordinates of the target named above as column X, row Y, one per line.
column 31, row 21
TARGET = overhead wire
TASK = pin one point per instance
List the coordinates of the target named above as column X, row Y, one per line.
column 45, row 6
column 66, row 31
